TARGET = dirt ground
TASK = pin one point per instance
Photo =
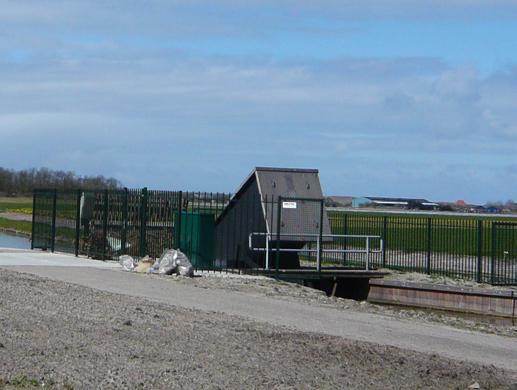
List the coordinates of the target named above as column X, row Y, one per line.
column 59, row 335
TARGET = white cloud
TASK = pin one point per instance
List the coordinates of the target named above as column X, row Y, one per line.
column 212, row 99
column 121, row 103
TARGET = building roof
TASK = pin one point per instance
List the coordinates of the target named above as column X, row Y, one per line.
column 253, row 175
column 398, row 201
column 405, row 200
column 273, row 169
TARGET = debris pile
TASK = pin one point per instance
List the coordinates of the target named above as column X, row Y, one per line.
column 144, row 265
column 127, row 262
column 171, row 262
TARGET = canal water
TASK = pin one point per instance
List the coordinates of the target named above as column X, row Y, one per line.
column 8, row 240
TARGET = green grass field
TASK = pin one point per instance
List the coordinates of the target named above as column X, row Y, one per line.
column 19, row 226
column 17, row 204
column 419, row 233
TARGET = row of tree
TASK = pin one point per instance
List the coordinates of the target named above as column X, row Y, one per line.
column 23, row 182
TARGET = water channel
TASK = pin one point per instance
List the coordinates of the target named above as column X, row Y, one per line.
column 9, row 240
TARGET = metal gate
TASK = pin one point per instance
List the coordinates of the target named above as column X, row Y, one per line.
column 503, row 267
column 299, row 224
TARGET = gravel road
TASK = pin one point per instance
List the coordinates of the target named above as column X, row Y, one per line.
column 61, row 335
column 297, row 293
column 351, row 324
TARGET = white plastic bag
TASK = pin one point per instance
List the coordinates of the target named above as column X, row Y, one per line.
column 127, row 262
column 173, row 261
column 183, row 265
column 167, row 263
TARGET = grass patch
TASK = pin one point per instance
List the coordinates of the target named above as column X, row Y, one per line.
column 24, row 210
column 419, row 233
column 425, row 214
column 19, row 226
column 17, row 204
column 24, row 382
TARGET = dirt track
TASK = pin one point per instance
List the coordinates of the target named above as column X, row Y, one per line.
column 69, row 336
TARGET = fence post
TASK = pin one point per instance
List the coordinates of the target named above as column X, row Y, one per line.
column 384, row 239
column 278, row 222
column 367, row 253
column 480, row 251
column 33, row 213
column 345, row 230
column 428, row 265
column 492, row 260
column 143, row 222
column 77, row 221
column 105, row 225
column 267, row 251
column 178, row 228
column 53, row 238
column 320, row 238
column 123, row 236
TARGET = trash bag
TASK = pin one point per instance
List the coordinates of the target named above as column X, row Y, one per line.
column 173, row 261
column 183, row 265
column 167, row 262
column 155, row 267
column 127, row 262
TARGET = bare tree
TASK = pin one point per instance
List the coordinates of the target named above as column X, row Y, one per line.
column 24, row 181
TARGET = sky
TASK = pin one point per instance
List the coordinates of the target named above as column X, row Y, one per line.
column 386, row 98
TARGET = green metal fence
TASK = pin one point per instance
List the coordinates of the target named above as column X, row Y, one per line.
column 480, row 249
column 43, row 219
column 104, row 224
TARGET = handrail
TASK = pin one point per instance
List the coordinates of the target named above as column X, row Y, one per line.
column 319, row 248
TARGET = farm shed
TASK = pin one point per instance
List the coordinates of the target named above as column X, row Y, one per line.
column 254, row 209
column 408, row 203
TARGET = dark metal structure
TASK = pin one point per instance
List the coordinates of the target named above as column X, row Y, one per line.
column 270, row 198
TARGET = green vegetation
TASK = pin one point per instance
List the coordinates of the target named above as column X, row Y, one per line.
column 16, row 204
column 20, row 205
column 19, row 226
column 417, row 214
column 24, row 181
column 420, row 233
column 65, row 233
column 24, row 382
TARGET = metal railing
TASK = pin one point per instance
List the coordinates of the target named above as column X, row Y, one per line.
column 320, row 249
column 472, row 247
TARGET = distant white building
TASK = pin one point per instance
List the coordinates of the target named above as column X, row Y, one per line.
column 409, row 203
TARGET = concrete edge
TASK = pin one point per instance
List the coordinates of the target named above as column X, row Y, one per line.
column 410, row 285
column 498, row 303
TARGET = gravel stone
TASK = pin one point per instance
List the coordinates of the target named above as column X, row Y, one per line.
column 60, row 335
